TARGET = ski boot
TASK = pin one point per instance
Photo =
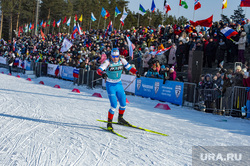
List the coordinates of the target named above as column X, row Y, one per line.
column 122, row 121
column 109, row 126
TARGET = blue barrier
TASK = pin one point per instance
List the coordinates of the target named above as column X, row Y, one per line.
column 171, row 91
column 67, row 73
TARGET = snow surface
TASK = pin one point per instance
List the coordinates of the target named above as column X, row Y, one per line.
column 43, row 125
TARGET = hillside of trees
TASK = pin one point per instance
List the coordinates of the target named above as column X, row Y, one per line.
column 16, row 13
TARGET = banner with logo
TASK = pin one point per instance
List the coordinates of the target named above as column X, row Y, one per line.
column 27, row 65
column 51, row 68
column 171, row 91
column 3, row 60
column 67, row 73
column 126, row 80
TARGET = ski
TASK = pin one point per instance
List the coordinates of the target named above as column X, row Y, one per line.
column 140, row 128
column 112, row 131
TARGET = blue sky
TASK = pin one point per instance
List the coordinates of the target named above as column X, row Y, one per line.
column 208, row 8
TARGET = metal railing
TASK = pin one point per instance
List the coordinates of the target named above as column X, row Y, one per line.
column 212, row 99
column 189, row 94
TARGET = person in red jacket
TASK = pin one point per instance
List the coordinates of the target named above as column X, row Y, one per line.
column 123, row 52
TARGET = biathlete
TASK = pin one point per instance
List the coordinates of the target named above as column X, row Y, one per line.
column 114, row 68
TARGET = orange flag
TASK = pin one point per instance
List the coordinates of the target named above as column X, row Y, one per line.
column 42, row 34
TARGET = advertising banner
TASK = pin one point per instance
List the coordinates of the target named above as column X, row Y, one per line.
column 3, row 60
column 27, row 65
column 67, row 73
column 171, row 91
column 51, row 69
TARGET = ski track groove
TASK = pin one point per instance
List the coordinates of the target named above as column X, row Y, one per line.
column 104, row 153
column 64, row 157
column 82, row 154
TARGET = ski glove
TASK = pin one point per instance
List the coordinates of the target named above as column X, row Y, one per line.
column 104, row 76
column 138, row 75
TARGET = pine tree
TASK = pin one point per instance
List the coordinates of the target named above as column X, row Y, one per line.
column 238, row 15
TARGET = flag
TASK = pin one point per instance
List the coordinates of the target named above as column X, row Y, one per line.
column 16, row 62
column 42, row 34
column 153, row 6
column 93, row 17
column 228, row 32
column 245, row 3
column 206, row 23
column 65, row 20
column 103, row 12
column 58, row 23
column 124, row 15
column 107, row 15
column 41, row 23
column 30, row 27
column 44, row 24
column 66, row 45
column 22, row 64
column 166, row 7
column 161, row 51
column 183, row 3
column 76, row 73
column 54, row 23
column 57, row 70
column 26, row 28
column 75, row 30
column 75, row 19
column 79, row 29
column 19, row 30
column 117, row 12
column 142, row 10
column 48, row 23
column 197, row 4
column 80, row 19
column 109, row 28
column 22, row 28
column 68, row 22
column 131, row 47
column 224, row 4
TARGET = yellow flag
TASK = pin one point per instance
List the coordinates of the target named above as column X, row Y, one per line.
column 224, row 4
column 80, row 19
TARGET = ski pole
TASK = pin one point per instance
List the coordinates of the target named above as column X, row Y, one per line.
column 130, row 84
column 97, row 79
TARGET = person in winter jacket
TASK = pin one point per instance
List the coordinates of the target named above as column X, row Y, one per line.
column 11, row 61
column 241, row 47
column 209, row 53
column 152, row 73
column 172, row 74
column 221, row 52
column 246, row 83
column 172, row 57
column 238, row 77
column 180, row 53
column 145, row 58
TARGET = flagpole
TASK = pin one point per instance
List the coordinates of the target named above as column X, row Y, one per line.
column 178, row 15
column 104, row 24
column 90, row 24
column 193, row 15
column 138, row 20
column 99, row 21
column 150, row 18
column 120, row 26
column 69, row 28
column 114, row 24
